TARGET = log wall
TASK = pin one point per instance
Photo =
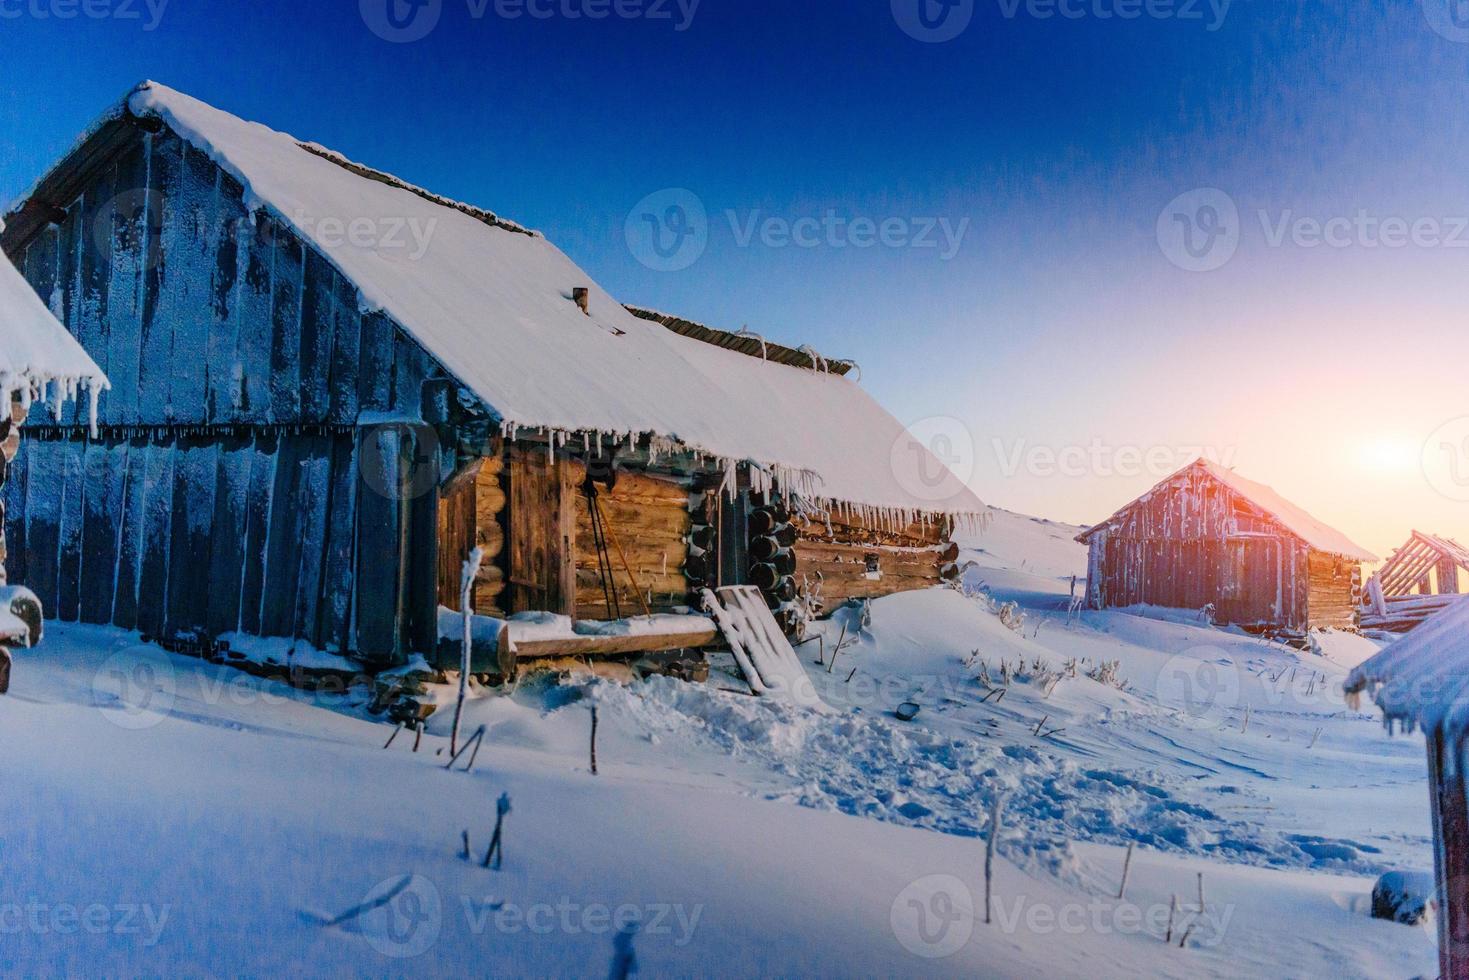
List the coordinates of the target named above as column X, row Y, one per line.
column 472, row 514
column 1334, row 591
column 649, row 517
column 832, row 558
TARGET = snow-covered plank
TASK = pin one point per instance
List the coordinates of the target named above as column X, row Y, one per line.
column 160, row 310
column 283, row 550
column 338, row 576
column 133, row 231
column 43, row 519
column 130, row 537
column 346, row 353
column 191, row 245
column 759, row 646
column 227, row 547
column 106, row 476
column 312, row 496
column 257, row 529
column 318, row 329
column 287, row 272
column 222, row 366
column 157, row 537
column 253, row 306
column 192, row 533
column 379, row 555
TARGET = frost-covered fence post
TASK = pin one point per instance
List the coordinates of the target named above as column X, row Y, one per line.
column 1126, row 869
column 497, row 847
column 989, row 853
column 466, row 602
column 594, row 740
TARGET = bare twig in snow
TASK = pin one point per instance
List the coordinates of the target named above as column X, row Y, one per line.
column 376, row 903
column 394, row 735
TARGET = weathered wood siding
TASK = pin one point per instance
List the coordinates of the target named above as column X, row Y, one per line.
column 1335, row 591
column 542, row 532
column 243, row 478
column 1198, row 543
column 472, row 514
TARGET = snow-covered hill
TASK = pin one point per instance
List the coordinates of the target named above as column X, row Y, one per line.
column 1024, row 558
column 210, row 822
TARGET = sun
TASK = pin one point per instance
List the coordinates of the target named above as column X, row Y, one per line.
column 1387, row 455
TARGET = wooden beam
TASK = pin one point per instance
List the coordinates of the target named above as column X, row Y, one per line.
column 608, row 646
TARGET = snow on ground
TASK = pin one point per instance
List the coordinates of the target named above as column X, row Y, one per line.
column 209, row 821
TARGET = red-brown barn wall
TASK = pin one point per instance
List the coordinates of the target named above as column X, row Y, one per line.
column 1202, row 543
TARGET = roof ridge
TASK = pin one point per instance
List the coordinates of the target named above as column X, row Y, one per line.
column 383, row 177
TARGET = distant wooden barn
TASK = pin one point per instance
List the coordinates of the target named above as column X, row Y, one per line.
column 329, row 385
column 1206, row 536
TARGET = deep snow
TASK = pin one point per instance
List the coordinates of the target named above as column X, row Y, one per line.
column 212, row 822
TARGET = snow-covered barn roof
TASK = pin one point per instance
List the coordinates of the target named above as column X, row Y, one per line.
column 1422, row 680
column 1313, row 532
column 38, row 358
column 494, row 304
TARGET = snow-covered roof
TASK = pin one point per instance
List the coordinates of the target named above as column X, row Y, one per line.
column 1422, row 680
column 494, row 305
column 38, row 358
column 1319, row 536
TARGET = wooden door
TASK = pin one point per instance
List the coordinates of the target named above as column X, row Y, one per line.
column 542, row 545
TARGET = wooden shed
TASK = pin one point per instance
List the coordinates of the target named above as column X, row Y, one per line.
column 1420, row 579
column 1207, row 536
column 329, row 385
column 1422, row 681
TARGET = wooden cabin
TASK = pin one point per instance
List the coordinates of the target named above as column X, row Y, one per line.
column 329, row 385
column 1207, row 536
column 1422, row 681
column 1421, row 579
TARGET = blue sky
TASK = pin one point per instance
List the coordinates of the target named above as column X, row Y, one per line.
column 1057, row 322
